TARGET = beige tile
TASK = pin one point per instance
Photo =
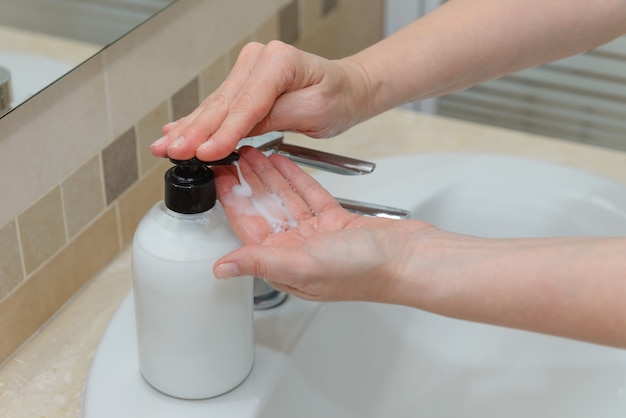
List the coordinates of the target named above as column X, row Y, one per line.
column 233, row 23
column 310, row 13
column 149, row 128
column 185, row 100
column 119, row 164
column 332, row 39
column 157, row 55
column 134, row 204
column 267, row 31
column 42, row 230
column 50, row 135
column 83, row 196
column 212, row 77
column 11, row 271
column 39, row 297
column 171, row 48
column 289, row 23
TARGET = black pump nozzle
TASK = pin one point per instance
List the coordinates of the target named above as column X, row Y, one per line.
column 190, row 184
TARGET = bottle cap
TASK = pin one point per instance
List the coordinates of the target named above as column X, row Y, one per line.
column 190, row 185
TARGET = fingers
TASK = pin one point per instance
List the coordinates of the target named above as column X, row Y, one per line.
column 271, row 87
column 269, row 204
column 316, row 198
column 272, row 184
column 272, row 74
column 260, row 75
column 183, row 137
column 245, row 221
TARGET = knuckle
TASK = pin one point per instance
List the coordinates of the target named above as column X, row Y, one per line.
column 276, row 47
column 243, row 102
column 217, row 99
column 250, row 49
column 258, row 269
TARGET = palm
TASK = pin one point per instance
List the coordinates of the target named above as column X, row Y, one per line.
column 327, row 253
column 300, row 207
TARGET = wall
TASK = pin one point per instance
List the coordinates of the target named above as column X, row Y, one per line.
column 75, row 163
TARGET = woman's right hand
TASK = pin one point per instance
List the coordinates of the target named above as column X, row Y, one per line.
column 271, row 87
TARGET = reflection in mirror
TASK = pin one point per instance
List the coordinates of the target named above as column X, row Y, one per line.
column 41, row 40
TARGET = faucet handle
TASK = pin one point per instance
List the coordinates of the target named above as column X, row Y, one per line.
column 272, row 142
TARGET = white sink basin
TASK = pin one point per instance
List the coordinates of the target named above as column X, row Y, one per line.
column 372, row 360
column 31, row 73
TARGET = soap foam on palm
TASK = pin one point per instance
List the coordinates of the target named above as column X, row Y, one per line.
column 270, row 207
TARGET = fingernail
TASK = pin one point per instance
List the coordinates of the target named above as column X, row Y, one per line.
column 205, row 145
column 227, row 270
column 159, row 141
column 178, row 142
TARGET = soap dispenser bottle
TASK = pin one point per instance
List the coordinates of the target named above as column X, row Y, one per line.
column 195, row 332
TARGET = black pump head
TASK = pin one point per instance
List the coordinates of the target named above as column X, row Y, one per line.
column 190, row 184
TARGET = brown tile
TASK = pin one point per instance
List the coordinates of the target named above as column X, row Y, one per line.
column 39, row 297
column 134, row 204
column 11, row 271
column 42, row 230
column 119, row 162
column 328, row 6
column 83, row 197
column 185, row 100
column 149, row 128
column 289, row 30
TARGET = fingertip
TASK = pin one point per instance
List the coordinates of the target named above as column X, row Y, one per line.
column 226, row 270
column 168, row 127
column 215, row 149
column 159, row 147
column 180, row 149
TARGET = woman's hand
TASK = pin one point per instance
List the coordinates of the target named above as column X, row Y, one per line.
column 331, row 254
column 271, row 87
column 573, row 287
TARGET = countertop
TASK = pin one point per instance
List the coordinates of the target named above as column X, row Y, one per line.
column 45, row 378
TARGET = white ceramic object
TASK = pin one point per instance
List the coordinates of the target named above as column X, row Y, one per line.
column 372, row 360
column 31, row 73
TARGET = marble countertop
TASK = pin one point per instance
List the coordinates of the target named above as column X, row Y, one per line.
column 45, row 378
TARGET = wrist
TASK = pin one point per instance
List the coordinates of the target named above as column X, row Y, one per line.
column 364, row 91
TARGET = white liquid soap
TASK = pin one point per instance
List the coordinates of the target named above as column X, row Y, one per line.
column 270, row 207
column 195, row 332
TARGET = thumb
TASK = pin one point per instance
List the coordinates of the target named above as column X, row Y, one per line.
column 254, row 260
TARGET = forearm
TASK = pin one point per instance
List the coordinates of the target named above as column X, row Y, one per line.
column 572, row 287
column 465, row 42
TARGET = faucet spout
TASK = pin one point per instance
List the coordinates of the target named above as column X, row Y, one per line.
column 272, row 142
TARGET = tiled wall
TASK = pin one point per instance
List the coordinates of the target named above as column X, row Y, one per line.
column 76, row 171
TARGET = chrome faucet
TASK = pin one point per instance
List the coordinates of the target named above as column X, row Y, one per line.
column 272, row 142
column 265, row 296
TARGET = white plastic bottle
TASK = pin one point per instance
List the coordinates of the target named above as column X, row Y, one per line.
column 195, row 332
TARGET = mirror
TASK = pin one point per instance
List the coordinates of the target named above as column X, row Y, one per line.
column 41, row 40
